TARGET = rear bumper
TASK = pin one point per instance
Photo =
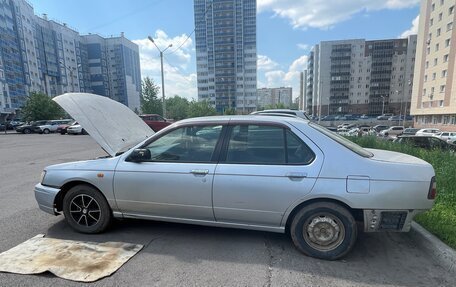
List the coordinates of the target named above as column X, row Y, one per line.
column 389, row 220
column 45, row 196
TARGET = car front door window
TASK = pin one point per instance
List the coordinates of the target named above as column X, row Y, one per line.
column 186, row 144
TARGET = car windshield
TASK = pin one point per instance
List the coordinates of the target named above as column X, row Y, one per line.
column 343, row 141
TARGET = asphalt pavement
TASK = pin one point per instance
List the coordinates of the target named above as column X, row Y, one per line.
column 187, row 255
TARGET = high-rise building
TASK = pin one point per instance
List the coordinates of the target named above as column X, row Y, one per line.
column 274, row 96
column 42, row 55
column 361, row 77
column 226, row 53
column 434, row 92
column 16, row 48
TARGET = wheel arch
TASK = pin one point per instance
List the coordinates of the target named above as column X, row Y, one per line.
column 357, row 213
column 58, row 201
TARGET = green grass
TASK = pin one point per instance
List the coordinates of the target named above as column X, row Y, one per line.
column 441, row 219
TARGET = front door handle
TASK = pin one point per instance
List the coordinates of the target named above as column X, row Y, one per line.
column 296, row 176
column 199, row 171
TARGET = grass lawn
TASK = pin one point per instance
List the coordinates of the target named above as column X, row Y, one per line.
column 441, row 219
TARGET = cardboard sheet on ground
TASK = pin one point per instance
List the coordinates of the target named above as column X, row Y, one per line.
column 68, row 259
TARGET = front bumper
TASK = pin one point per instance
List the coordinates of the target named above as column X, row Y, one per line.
column 389, row 220
column 45, row 196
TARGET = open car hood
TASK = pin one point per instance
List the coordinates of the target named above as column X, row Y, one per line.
column 111, row 124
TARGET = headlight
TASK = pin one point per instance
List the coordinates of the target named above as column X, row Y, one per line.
column 43, row 174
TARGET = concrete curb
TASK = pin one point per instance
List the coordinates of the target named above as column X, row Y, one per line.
column 439, row 251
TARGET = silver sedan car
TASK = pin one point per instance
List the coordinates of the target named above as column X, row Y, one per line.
column 277, row 174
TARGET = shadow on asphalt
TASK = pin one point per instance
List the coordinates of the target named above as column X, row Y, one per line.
column 377, row 258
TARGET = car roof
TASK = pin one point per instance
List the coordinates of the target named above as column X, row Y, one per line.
column 245, row 118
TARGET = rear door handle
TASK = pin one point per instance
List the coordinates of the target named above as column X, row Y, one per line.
column 296, row 176
column 199, row 171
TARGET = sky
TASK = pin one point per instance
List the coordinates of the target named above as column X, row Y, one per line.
column 286, row 31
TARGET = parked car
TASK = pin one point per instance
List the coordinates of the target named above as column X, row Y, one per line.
column 155, row 122
column 345, row 125
column 446, row 136
column 379, row 128
column 364, row 117
column 384, row 116
column 76, row 129
column 274, row 174
column 427, row 132
column 51, row 126
column 11, row 125
column 62, row 129
column 426, row 142
column 30, row 127
column 297, row 113
column 392, row 131
column 410, row 131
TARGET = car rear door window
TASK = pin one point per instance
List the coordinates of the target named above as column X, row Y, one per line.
column 254, row 144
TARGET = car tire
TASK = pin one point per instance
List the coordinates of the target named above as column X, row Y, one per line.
column 86, row 210
column 62, row 132
column 27, row 131
column 83, row 132
column 324, row 230
column 46, row 131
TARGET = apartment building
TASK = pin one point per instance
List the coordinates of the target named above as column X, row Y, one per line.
column 360, row 77
column 274, row 96
column 226, row 56
column 42, row 55
column 434, row 95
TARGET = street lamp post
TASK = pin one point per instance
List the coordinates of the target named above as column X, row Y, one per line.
column 162, row 76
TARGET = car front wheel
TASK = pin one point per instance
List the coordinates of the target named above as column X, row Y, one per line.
column 324, row 230
column 26, row 131
column 86, row 210
column 46, row 131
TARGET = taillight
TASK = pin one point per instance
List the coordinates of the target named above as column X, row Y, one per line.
column 432, row 189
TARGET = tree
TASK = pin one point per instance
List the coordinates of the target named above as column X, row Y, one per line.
column 200, row 109
column 41, row 107
column 150, row 103
column 177, row 108
column 229, row 111
column 275, row 106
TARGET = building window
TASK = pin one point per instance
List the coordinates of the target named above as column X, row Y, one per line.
column 425, row 78
column 435, row 62
column 445, row 58
column 426, row 64
column 442, row 2
column 451, row 10
column 437, row 47
column 428, row 50
column 431, row 22
column 449, row 26
column 441, row 103
column 433, row 76
column 442, row 88
column 432, row 7
column 440, row 17
column 444, row 73
column 447, row 43
column 438, row 32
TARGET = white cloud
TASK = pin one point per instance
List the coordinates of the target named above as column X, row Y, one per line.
column 281, row 78
column 179, row 80
column 413, row 29
column 264, row 63
column 302, row 46
column 325, row 14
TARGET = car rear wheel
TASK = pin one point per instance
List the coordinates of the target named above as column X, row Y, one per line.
column 83, row 132
column 26, row 131
column 324, row 230
column 46, row 131
column 86, row 210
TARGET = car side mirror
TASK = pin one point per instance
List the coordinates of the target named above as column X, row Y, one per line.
column 139, row 155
